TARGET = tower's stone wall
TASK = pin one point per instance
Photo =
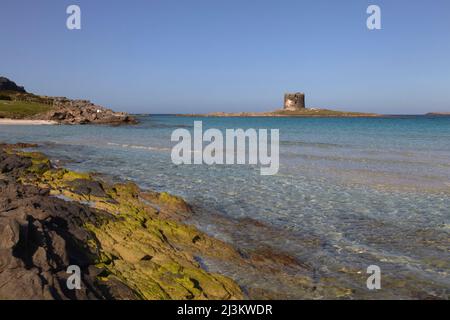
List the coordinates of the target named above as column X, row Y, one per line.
column 294, row 101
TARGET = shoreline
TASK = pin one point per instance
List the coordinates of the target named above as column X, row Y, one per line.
column 128, row 243
column 139, row 244
column 23, row 122
column 120, row 210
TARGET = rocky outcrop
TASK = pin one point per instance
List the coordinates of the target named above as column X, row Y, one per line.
column 68, row 111
column 59, row 109
column 129, row 244
column 6, row 84
column 40, row 236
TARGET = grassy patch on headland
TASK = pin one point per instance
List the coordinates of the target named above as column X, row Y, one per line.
column 21, row 109
column 19, row 105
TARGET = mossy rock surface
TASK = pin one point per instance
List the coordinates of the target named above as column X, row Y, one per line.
column 139, row 240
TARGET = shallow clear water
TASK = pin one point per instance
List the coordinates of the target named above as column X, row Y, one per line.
column 369, row 190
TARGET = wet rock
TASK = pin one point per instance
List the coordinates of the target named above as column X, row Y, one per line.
column 169, row 202
column 87, row 187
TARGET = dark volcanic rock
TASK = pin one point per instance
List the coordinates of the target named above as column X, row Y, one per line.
column 6, row 84
column 40, row 236
column 87, row 187
column 10, row 163
column 127, row 248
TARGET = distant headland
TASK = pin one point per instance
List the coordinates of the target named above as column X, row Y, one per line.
column 16, row 104
column 443, row 114
column 294, row 106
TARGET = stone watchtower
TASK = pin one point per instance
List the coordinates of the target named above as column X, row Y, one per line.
column 294, row 101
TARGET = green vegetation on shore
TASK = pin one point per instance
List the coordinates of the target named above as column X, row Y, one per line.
column 19, row 105
column 16, row 103
column 21, row 109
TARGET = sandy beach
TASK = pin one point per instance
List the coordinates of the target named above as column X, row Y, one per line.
column 16, row 122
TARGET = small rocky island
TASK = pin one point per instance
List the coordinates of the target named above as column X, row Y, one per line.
column 294, row 106
column 17, row 103
column 439, row 114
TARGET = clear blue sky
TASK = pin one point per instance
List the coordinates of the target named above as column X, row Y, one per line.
column 164, row 56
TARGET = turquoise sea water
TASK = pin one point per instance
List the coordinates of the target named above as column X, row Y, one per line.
column 364, row 191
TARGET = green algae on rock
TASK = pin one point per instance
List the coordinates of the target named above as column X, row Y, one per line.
column 137, row 236
column 142, row 248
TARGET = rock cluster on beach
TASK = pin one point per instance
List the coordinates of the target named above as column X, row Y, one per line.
column 83, row 112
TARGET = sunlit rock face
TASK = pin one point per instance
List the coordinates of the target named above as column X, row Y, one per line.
column 294, row 101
